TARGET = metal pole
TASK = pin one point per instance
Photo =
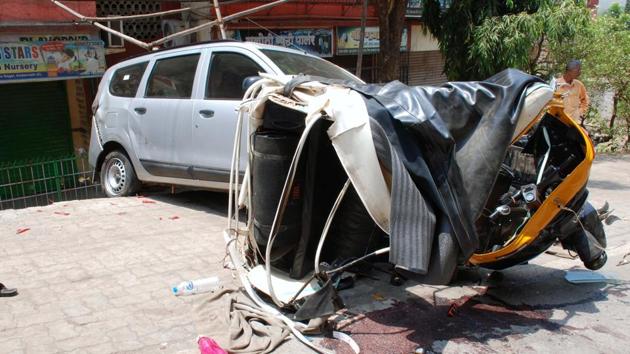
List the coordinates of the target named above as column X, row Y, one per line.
column 217, row 10
column 174, row 35
column 121, row 35
column 182, row 33
column 362, row 37
column 139, row 16
column 252, row 10
column 212, row 23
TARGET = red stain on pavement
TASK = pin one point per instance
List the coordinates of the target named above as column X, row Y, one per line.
column 417, row 323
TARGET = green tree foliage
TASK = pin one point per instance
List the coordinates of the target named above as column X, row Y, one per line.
column 606, row 67
column 452, row 23
column 604, row 49
column 522, row 40
column 615, row 10
column 481, row 37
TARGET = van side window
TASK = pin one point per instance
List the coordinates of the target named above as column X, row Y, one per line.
column 125, row 81
column 173, row 77
column 227, row 72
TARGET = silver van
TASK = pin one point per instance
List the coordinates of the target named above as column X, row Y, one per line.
column 169, row 116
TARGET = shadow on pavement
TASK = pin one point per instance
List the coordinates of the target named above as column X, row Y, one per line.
column 610, row 185
column 215, row 203
column 521, row 303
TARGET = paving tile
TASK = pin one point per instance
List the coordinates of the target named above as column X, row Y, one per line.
column 98, row 282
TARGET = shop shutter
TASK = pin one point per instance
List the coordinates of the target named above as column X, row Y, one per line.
column 425, row 68
column 35, row 122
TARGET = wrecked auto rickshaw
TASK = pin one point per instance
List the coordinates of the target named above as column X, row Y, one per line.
column 429, row 179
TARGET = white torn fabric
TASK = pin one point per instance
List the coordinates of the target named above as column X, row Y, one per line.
column 537, row 96
column 349, row 134
column 285, row 287
column 351, row 137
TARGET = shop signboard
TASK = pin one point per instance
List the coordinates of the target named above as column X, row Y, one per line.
column 51, row 60
column 63, row 37
column 313, row 41
column 348, row 40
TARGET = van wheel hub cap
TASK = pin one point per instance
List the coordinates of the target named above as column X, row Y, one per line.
column 116, row 176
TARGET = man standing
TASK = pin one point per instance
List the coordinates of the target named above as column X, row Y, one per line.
column 573, row 91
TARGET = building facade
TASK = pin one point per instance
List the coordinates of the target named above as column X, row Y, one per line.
column 49, row 70
column 330, row 29
column 50, row 64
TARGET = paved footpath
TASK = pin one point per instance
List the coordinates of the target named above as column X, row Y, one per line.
column 94, row 277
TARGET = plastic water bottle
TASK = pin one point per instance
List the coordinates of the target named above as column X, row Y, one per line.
column 196, row 286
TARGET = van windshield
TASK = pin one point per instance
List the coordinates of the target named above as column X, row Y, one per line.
column 295, row 64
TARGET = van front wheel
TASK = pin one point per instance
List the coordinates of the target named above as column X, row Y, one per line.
column 118, row 178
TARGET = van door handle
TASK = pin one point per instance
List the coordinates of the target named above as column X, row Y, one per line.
column 206, row 113
column 140, row 110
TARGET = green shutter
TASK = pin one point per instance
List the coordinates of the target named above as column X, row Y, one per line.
column 34, row 121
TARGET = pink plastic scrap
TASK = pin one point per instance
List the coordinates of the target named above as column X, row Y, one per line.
column 209, row 346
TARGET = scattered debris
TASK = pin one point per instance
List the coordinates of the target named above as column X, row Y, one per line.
column 396, row 279
column 284, row 286
column 61, row 213
column 198, row 286
column 22, row 230
column 163, row 345
column 148, row 201
column 587, row 276
column 624, row 260
column 494, row 278
column 565, row 254
column 347, row 339
column 452, row 310
column 611, row 219
column 378, row 297
column 346, row 282
column 174, row 217
column 605, row 214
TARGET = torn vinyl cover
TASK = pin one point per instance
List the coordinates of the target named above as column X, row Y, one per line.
column 339, row 171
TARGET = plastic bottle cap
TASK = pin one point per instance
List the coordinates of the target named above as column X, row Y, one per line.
column 174, row 290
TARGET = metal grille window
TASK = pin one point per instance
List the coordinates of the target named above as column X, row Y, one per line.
column 142, row 29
